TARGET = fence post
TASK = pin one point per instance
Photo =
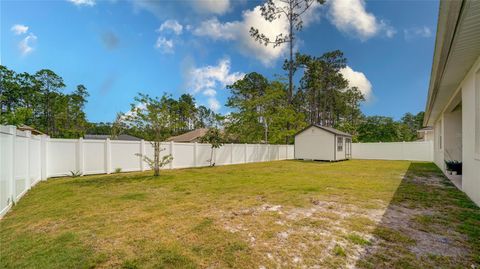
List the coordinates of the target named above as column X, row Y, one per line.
column 245, row 152
column 80, row 157
column 278, row 152
column 28, row 180
column 108, row 156
column 231, row 153
column 142, row 154
column 171, row 153
column 195, row 148
column 44, row 156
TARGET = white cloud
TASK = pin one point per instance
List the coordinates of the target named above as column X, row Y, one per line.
column 210, row 92
column 214, row 104
column 415, row 32
column 359, row 80
column 239, row 31
column 212, row 76
column 216, row 30
column 89, row 3
column 171, row 25
column 164, row 45
column 212, row 6
column 351, row 17
column 139, row 107
column 208, row 79
column 19, row 29
column 26, row 45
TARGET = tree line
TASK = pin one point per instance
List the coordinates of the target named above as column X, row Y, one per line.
column 37, row 100
column 262, row 111
column 40, row 100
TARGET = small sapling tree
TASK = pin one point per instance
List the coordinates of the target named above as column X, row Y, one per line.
column 214, row 138
column 151, row 117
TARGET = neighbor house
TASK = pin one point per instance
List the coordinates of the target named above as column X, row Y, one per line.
column 189, row 137
column 425, row 134
column 453, row 105
column 32, row 130
column 322, row 144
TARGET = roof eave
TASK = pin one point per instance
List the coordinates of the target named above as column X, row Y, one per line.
column 448, row 18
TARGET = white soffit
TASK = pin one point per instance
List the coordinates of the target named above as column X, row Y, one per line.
column 463, row 53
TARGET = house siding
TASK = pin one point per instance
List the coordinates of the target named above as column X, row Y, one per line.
column 470, row 161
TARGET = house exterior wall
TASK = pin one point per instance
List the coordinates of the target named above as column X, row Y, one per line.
column 469, row 130
column 470, row 121
column 453, row 135
column 315, row 144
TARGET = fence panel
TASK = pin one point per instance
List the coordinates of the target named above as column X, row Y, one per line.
column 35, row 163
column 414, row 151
column 95, row 151
column 203, row 154
column 62, row 157
column 7, row 150
column 124, row 155
column 238, row 154
column 21, row 166
column 185, row 150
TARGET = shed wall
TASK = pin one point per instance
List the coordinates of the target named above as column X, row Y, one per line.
column 315, row 144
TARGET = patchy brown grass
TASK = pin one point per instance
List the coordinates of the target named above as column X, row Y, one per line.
column 371, row 214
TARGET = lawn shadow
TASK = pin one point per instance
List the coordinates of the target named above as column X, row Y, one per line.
column 428, row 223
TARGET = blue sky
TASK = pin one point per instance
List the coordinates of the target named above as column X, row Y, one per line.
column 117, row 48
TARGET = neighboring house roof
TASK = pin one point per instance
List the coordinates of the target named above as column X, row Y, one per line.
column 191, row 136
column 119, row 137
column 457, row 46
column 34, row 131
column 328, row 129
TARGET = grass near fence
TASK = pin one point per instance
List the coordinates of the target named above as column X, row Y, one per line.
column 263, row 215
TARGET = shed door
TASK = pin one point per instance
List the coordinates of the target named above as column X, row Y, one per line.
column 348, row 148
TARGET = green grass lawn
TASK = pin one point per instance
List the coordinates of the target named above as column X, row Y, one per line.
column 282, row 214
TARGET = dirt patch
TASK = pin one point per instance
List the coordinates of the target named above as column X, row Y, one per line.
column 441, row 242
column 434, row 181
column 299, row 236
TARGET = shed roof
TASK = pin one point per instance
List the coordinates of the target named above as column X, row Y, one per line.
column 325, row 128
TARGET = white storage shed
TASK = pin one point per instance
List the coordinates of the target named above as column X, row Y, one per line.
column 323, row 144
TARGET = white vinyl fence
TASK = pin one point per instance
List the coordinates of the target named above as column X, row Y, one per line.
column 412, row 151
column 26, row 159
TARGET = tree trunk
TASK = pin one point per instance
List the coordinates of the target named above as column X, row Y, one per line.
column 211, row 157
column 156, row 159
column 266, row 131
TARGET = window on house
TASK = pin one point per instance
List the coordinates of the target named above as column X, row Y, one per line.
column 477, row 114
column 339, row 143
